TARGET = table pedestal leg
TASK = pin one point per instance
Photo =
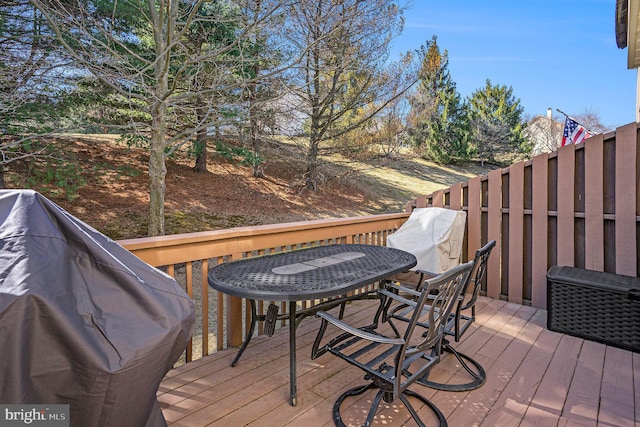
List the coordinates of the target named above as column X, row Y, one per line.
column 249, row 333
column 292, row 354
column 293, row 390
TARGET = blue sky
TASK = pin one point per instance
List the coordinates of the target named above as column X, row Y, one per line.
column 553, row 53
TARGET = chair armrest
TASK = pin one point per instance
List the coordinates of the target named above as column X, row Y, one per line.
column 358, row 332
column 398, row 287
column 399, row 298
column 426, row 273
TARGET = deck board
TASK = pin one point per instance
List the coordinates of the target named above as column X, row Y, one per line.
column 535, row 377
column 616, row 396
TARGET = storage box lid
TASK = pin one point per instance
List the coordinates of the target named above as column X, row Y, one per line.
column 592, row 278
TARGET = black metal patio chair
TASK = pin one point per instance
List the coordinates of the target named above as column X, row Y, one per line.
column 393, row 364
column 459, row 321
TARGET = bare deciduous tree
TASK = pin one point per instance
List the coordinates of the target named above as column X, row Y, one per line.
column 544, row 133
column 590, row 119
column 141, row 49
column 382, row 131
column 33, row 74
column 346, row 45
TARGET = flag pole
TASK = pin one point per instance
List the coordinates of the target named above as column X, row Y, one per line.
column 566, row 115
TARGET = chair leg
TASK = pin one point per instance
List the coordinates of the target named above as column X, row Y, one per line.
column 471, row 366
column 356, row 391
column 430, row 404
column 383, row 312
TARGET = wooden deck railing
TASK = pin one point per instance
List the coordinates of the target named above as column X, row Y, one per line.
column 578, row 207
column 222, row 320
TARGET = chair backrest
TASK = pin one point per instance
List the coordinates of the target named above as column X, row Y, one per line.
column 477, row 274
column 436, row 301
column 434, row 236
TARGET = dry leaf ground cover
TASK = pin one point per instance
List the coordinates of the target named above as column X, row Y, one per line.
column 114, row 198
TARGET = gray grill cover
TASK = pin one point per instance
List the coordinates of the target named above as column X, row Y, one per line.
column 82, row 320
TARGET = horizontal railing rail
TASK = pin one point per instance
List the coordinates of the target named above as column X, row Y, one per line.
column 221, row 320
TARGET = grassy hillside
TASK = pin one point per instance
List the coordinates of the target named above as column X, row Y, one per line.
column 114, row 198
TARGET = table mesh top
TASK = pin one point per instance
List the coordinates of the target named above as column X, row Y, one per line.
column 309, row 273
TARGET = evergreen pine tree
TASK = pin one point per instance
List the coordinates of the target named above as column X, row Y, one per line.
column 437, row 118
column 497, row 124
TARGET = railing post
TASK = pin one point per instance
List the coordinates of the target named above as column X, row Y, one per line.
column 566, row 205
column 539, row 230
column 234, row 320
column 494, row 231
column 594, row 204
column 234, row 316
column 626, row 199
column 474, row 216
column 516, row 232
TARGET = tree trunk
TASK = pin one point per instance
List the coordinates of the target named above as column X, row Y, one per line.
column 254, row 131
column 201, row 149
column 163, row 33
column 311, row 174
column 157, row 167
column 157, row 171
column 201, row 135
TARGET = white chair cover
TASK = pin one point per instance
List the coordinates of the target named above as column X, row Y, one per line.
column 434, row 236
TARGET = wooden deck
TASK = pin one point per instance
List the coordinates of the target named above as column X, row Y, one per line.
column 534, row 377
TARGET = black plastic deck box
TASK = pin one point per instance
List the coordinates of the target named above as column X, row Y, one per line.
column 593, row 305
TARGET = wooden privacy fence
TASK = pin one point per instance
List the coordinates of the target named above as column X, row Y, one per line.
column 576, row 207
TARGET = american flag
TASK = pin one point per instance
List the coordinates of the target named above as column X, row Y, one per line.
column 574, row 133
